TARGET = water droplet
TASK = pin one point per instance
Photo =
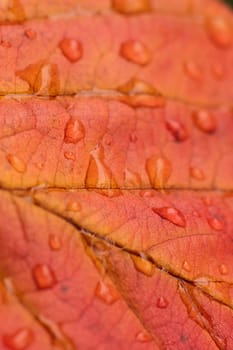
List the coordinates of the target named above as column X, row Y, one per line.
column 74, row 131
column 43, row 276
column 216, row 224
column 204, row 121
column 17, row 163
column 133, row 137
column 20, row 340
column 99, row 174
column 162, row 303
column 193, row 70
column 220, row 31
column 171, row 214
column 55, row 242
column 147, row 194
column 30, row 33
column 143, row 337
column 39, row 165
column 69, row 155
column 136, row 52
column 159, row 170
column 143, row 265
column 196, row 173
column 177, row 129
column 131, row 6
column 142, row 100
column 72, row 49
column 107, row 140
column 223, row 269
column 186, row 266
column 73, row 206
column 106, row 292
column 218, row 71
column 135, row 86
column 207, row 201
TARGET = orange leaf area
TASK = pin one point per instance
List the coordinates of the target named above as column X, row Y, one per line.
column 116, row 175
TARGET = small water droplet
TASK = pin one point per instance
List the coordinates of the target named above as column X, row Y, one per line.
column 69, row 155
column 205, row 121
column 220, row 31
column 196, row 214
column 136, row 52
column 162, row 303
column 143, row 265
column 159, row 170
column 106, row 292
column 215, row 223
column 193, row 70
column 171, row 214
column 177, row 129
column 186, row 266
column 131, row 6
column 43, row 276
column 55, row 242
column 39, row 165
column 207, row 201
column 17, row 163
column 107, row 140
column 143, row 100
column 133, row 137
column 72, row 49
column 223, row 269
column 73, row 206
column 147, row 193
column 20, row 340
column 143, row 337
column 30, row 33
column 74, row 131
column 196, row 173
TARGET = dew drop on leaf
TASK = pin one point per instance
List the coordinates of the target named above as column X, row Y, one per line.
column 143, row 337
column 220, row 31
column 133, row 137
column 159, row 170
column 186, row 266
column 136, row 52
column 55, row 242
column 223, row 269
column 20, row 340
column 74, row 131
column 204, row 121
column 106, row 292
column 162, row 303
column 193, row 70
column 72, row 49
column 17, row 163
column 177, row 129
column 171, row 214
column 30, row 33
column 196, row 173
column 142, row 265
column 73, row 206
column 215, row 224
column 43, row 276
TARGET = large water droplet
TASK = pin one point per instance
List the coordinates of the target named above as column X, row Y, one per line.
column 171, row 214
column 55, row 242
column 143, row 337
column 220, row 31
column 162, row 303
column 20, row 340
column 196, row 173
column 143, row 265
column 74, row 131
column 205, row 121
column 177, row 129
column 193, row 70
column 72, row 49
column 131, row 6
column 69, row 155
column 159, row 170
column 73, row 206
column 136, row 52
column 43, row 276
column 17, row 163
column 223, row 269
column 106, row 292
column 215, row 223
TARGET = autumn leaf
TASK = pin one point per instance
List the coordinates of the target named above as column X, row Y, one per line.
column 116, row 173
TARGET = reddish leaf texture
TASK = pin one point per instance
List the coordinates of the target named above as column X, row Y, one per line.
column 116, row 173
